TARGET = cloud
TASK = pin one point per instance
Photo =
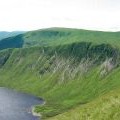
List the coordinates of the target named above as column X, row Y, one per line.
column 36, row 14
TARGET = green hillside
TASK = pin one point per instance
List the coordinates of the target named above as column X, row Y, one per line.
column 75, row 71
column 106, row 107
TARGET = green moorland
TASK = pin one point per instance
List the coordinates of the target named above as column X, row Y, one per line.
column 78, row 76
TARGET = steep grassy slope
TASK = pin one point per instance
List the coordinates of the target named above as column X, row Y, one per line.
column 60, row 36
column 106, row 107
column 66, row 75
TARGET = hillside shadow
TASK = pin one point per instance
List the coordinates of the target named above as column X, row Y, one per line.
column 12, row 42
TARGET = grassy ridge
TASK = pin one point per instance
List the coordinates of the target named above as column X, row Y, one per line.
column 60, row 36
column 66, row 76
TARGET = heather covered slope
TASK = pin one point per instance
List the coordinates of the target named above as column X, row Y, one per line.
column 73, row 70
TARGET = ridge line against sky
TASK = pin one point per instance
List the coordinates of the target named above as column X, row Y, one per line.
column 26, row 15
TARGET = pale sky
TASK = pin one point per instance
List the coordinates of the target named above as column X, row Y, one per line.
column 37, row 14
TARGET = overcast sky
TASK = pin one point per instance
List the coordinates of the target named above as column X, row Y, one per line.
column 37, row 14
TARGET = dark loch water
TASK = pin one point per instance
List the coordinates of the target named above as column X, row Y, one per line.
column 17, row 106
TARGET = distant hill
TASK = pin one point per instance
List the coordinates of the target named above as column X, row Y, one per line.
column 4, row 34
